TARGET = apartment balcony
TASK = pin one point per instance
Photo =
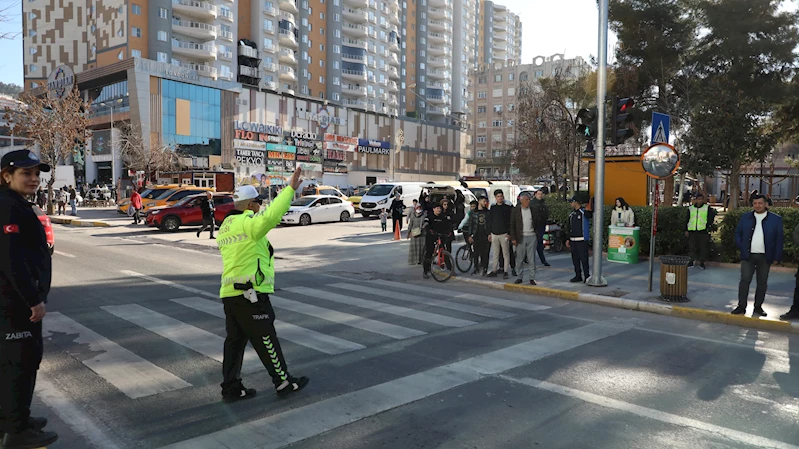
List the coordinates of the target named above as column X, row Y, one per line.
column 500, row 36
column 437, row 110
column 350, row 103
column 287, row 38
column 393, row 72
column 357, row 31
column 289, row 17
column 438, row 50
column 372, row 64
column 358, row 59
column 269, row 28
column 197, row 30
column 227, row 55
column 393, row 86
column 271, row 48
column 393, row 112
column 269, row 67
column 438, row 62
column 270, row 11
column 202, row 70
column 288, row 5
column 371, row 93
column 438, row 74
column 287, row 73
column 439, row 26
column 226, row 14
column 356, row 43
column 439, row 13
column 357, row 3
column 394, row 18
column 289, row 90
column 438, row 85
column 248, row 52
column 500, row 26
column 394, row 5
column 351, row 89
column 227, row 35
column 439, row 38
column 438, row 99
column 354, row 75
column 393, row 59
column 251, row 72
column 355, row 15
column 203, row 52
column 500, row 17
column 271, row 85
column 288, row 56
column 393, row 45
column 371, row 107
column 392, row 100
column 372, row 34
column 196, row 9
column 445, row 4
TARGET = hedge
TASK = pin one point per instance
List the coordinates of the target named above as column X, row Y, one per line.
column 672, row 222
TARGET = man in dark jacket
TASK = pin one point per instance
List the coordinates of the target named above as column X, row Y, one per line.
column 208, row 209
column 436, row 227
column 397, row 209
column 478, row 232
column 759, row 237
column 541, row 217
column 579, row 236
column 499, row 224
column 523, row 237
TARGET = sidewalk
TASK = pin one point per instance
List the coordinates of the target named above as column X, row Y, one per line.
column 713, row 292
column 92, row 217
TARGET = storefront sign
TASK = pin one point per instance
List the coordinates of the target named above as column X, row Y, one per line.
column 322, row 117
column 334, row 155
column 280, row 155
column 257, row 137
column 61, row 81
column 341, row 139
column 282, row 148
column 280, row 166
column 252, row 158
column 249, row 145
column 167, row 70
column 309, row 154
column 258, row 132
column 304, row 166
column 334, row 168
column 302, row 134
column 374, row 146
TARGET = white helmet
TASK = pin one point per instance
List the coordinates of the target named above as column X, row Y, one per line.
column 244, row 193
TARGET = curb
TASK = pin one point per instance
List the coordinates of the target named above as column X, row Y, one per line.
column 79, row 223
column 712, row 316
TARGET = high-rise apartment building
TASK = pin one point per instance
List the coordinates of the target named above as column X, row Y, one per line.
column 500, row 36
column 495, row 90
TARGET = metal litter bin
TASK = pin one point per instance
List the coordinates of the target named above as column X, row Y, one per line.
column 674, row 278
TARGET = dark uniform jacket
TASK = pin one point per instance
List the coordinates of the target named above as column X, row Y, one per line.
column 25, row 264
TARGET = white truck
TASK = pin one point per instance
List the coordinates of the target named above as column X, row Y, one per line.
column 379, row 196
column 487, row 188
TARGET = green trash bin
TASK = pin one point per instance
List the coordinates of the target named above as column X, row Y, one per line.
column 623, row 244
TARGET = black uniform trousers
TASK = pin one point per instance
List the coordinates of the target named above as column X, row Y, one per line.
column 580, row 257
column 208, row 223
column 245, row 321
column 698, row 245
column 480, row 251
column 540, row 248
column 795, row 306
column 20, row 356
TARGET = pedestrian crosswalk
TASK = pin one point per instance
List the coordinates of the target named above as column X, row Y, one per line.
column 327, row 320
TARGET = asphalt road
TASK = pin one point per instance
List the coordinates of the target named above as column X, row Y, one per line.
column 134, row 343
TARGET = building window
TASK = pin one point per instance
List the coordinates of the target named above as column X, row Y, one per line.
column 496, row 123
column 33, row 50
column 497, row 108
column 322, row 15
column 510, row 122
column 135, row 31
column 511, row 76
column 162, row 36
column 161, row 56
column 321, row 79
column 481, row 80
column 336, row 96
column 32, row 68
column 322, row 31
column 336, row 81
column 481, row 124
column 481, row 153
column 337, row 33
column 511, row 91
column 136, row 9
column 539, row 73
column 510, row 107
column 497, row 92
column 481, row 109
column 481, row 94
column 336, row 49
column 321, row 47
column 497, row 78
column 481, row 139
column 497, row 153
column 321, row 63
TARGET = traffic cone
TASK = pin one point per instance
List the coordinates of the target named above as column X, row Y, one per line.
column 396, row 230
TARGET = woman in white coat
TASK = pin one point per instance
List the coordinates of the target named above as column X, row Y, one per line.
column 622, row 214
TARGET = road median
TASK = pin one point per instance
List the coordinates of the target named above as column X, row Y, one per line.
column 679, row 311
column 79, row 223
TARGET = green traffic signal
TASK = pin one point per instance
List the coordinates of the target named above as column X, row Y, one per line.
column 587, row 123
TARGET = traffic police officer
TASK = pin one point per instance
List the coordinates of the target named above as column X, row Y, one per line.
column 25, row 273
column 700, row 219
column 248, row 278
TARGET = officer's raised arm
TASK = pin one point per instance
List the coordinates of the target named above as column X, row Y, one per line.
column 266, row 220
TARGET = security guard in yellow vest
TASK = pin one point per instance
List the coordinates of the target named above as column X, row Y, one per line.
column 248, row 277
column 700, row 220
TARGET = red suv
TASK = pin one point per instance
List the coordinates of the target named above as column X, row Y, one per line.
column 48, row 227
column 187, row 212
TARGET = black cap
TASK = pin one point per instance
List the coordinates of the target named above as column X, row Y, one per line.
column 573, row 199
column 23, row 159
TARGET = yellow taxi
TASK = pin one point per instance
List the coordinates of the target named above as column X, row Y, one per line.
column 172, row 196
column 323, row 190
column 148, row 193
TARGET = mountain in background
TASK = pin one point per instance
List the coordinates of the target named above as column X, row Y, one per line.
column 10, row 89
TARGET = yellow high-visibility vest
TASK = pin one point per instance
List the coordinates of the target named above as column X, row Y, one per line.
column 697, row 221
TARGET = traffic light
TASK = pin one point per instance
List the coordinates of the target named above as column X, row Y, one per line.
column 622, row 118
column 587, row 123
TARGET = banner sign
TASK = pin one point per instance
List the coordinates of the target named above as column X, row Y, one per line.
column 334, row 155
column 249, row 145
column 374, row 146
column 309, row 167
column 282, row 148
column 253, row 158
column 334, row 168
column 309, row 155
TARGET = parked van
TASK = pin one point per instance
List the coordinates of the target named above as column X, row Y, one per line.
column 379, row 196
column 487, row 188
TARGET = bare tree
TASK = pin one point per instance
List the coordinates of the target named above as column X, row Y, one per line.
column 56, row 126
column 140, row 155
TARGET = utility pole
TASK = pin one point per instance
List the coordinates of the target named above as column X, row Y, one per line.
column 596, row 280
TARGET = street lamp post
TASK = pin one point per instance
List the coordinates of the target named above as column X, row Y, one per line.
column 113, row 149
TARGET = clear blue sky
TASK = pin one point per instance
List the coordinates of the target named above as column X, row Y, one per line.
column 548, row 27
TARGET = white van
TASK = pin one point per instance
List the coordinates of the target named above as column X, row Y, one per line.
column 379, row 196
column 487, row 188
column 438, row 191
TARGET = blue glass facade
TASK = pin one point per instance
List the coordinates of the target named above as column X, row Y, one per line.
column 204, row 117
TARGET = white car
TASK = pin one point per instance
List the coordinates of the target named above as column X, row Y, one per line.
column 318, row 209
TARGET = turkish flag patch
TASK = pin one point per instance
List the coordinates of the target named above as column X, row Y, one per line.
column 11, row 229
